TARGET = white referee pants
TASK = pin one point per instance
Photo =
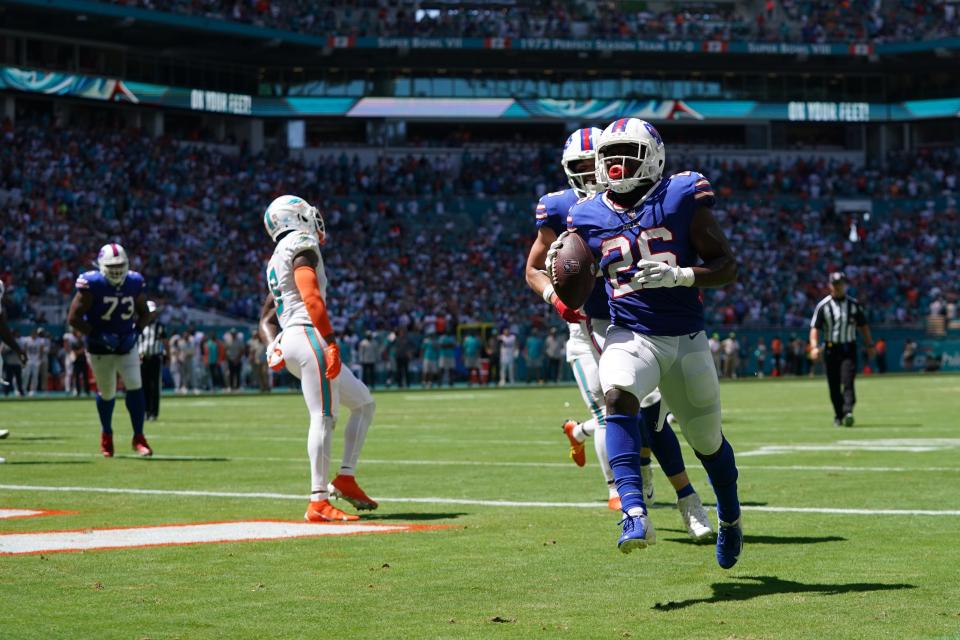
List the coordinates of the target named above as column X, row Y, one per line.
column 31, row 374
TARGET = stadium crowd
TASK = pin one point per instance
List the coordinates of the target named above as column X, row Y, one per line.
column 806, row 21
column 65, row 191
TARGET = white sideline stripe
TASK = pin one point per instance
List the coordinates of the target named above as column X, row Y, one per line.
column 87, row 539
column 466, row 463
column 480, row 463
column 465, row 501
column 18, row 513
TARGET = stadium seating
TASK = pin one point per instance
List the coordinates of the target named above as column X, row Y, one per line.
column 788, row 21
column 397, row 248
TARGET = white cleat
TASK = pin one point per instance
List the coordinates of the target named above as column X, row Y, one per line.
column 2, row 460
column 4, row 433
column 646, row 475
column 695, row 518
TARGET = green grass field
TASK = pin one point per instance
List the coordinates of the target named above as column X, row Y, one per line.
column 518, row 571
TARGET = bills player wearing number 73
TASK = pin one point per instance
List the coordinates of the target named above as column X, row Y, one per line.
column 657, row 241
column 110, row 309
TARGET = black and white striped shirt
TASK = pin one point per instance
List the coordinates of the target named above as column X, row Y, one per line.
column 151, row 340
column 838, row 320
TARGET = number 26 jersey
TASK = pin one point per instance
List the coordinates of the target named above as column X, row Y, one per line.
column 656, row 229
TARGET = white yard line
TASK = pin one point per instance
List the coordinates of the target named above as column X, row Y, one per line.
column 463, row 501
column 165, row 535
column 18, row 513
column 303, row 460
column 492, row 463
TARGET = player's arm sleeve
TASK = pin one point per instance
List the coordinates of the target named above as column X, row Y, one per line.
column 548, row 215
column 703, row 194
column 309, row 288
column 580, row 224
column 78, row 308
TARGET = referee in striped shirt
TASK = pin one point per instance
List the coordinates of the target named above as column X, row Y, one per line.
column 151, row 345
column 836, row 321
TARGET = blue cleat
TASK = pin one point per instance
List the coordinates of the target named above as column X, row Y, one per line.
column 637, row 533
column 729, row 544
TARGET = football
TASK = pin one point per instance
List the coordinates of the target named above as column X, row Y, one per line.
column 573, row 271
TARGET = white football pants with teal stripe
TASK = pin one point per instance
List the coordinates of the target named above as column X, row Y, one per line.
column 302, row 349
column 584, row 357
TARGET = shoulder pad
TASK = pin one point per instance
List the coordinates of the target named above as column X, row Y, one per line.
column 84, row 280
column 696, row 184
column 302, row 242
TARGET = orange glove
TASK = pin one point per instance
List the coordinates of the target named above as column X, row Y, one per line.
column 331, row 353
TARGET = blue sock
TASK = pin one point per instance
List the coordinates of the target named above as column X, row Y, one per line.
column 649, row 416
column 722, row 471
column 685, row 491
column 666, row 448
column 623, row 449
column 105, row 409
column 137, row 406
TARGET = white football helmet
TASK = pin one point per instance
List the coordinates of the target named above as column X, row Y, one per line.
column 581, row 145
column 639, row 155
column 113, row 263
column 292, row 213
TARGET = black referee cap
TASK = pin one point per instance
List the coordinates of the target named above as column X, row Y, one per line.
column 838, row 276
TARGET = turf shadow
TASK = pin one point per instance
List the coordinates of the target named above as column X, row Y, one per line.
column 49, row 462
column 156, row 459
column 755, row 539
column 673, row 505
column 772, row 585
column 884, row 425
column 412, row 516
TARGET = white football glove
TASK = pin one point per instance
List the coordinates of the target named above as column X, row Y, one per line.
column 552, row 253
column 651, row 275
column 275, row 354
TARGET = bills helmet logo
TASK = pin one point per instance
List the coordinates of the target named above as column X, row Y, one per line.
column 653, row 132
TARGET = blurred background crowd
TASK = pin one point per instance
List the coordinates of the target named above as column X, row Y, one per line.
column 806, row 21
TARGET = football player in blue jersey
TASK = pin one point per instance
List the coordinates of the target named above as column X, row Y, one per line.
column 588, row 327
column 657, row 242
column 110, row 309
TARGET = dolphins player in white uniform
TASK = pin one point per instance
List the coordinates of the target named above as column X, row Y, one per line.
column 295, row 325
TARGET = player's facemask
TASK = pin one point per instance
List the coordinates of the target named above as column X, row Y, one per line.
column 115, row 273
column 582, row 175
column 320, row 226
